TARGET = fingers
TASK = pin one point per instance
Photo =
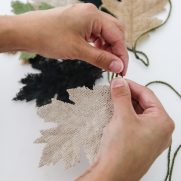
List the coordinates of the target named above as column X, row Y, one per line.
column 114, row 36
column 109, row 30
column 145, row 97
column 126, row 94
column 101, row 58
column 110, row 51
column 121, row 97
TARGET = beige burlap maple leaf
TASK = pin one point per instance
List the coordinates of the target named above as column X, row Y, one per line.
column 138, row 16
column 78, row 125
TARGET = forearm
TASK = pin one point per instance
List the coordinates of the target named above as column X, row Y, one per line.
column 27, row 32
column 9, row 34
column 19, row 33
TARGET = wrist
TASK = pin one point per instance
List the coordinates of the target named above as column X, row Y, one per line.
column 112, row 169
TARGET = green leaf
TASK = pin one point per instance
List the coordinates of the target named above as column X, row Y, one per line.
column 19, row 7
column 26, row 55
column 44, row 6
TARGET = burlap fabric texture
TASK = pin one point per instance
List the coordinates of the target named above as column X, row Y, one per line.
column 78, row 126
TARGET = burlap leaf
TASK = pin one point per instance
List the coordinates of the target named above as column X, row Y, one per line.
column 138, row 16
column 79, row 125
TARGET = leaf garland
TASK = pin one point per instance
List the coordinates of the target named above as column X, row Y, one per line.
column 19, row 7
column 139, row 20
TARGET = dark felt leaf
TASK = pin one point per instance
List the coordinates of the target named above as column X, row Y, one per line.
column 55, row 78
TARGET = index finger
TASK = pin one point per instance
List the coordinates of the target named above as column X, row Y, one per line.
column 114, row 36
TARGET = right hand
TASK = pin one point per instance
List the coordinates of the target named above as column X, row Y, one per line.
column 140, row 130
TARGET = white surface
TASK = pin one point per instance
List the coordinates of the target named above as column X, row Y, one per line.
column 20, row 126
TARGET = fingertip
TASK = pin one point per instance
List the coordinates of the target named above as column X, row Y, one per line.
column 101, row 58
column 116, row 66
column 119, row 87
column 117, row 82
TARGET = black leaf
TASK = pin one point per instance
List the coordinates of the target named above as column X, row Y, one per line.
column 55, row 78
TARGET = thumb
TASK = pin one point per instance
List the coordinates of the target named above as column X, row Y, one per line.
column 101, row 58
column 121, row 97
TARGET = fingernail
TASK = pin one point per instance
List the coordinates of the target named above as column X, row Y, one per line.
column 116, row 66
column 117, row 82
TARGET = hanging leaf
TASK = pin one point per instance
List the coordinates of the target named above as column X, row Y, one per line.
column 79, row 125
column 138, row 17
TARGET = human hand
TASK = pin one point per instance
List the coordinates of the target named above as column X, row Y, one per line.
column 140, row 130
column 66, row 32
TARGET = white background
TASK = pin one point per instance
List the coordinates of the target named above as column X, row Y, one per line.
column 20, row 126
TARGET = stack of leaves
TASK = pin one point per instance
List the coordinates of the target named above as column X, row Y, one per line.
column 55, row 78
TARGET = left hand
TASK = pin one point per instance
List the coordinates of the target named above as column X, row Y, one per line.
column 66, row 33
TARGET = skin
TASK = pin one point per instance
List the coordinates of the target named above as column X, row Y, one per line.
column 63, row 33
column 140, row 129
